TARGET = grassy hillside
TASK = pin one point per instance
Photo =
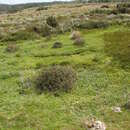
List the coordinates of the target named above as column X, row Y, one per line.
column 93, row 39
column 101, row 85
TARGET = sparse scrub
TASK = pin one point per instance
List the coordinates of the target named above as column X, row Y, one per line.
column 56, row 78
column 117, row 45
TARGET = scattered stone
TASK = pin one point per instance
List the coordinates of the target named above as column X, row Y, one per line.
column 94, row 125
column 116, row 109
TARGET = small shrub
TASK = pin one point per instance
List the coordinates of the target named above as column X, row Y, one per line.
column 51, row 21
column 117, row 45
column 75, row 35
column 11, row 47
column 18, row 55
column 56, row 78
column 79, row 41
column 57, row 45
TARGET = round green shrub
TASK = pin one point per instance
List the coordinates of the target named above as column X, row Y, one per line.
column 57, row 45
column 56, row 78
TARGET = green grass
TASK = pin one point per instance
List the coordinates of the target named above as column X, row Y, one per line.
column 100, row 85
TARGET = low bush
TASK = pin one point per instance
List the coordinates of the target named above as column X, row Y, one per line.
column 117, row 45
column 11, row 47
column 57, row 45
column 56, row 78
column 51, row 21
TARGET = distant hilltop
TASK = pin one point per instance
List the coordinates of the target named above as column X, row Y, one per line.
column 12, row 8
column 17, row 7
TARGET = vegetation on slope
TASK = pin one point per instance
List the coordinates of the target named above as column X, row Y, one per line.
column 101, row 84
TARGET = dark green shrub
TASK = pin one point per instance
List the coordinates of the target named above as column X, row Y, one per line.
column 57, row 45
column 51, row 21
column 56, row 78
column 117, row 45
column 11, row 47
